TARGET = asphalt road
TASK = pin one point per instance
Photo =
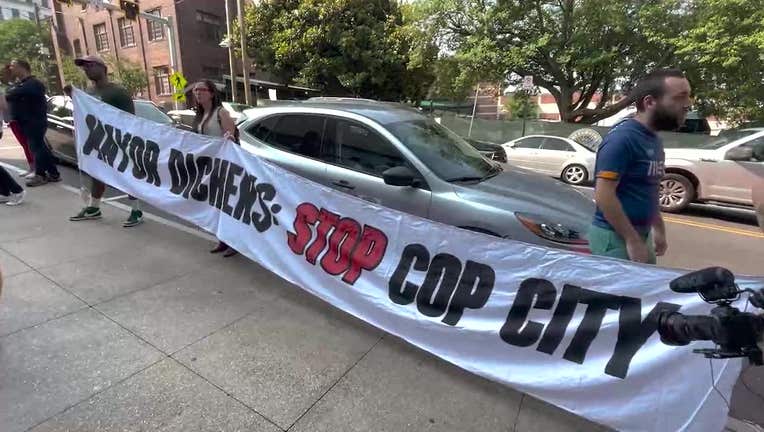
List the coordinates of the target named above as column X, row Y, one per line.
column 701, row 237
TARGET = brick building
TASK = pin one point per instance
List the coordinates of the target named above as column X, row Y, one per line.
column 200, row 26
column 25, row 9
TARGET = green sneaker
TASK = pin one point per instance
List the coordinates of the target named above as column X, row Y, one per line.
column 135, row 218
column 88, row 213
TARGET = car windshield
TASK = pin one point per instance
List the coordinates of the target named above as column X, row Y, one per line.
column 150, row 112
column 444, row 152
column 726, row 138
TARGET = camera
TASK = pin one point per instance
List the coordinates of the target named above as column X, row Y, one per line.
column 736, row 333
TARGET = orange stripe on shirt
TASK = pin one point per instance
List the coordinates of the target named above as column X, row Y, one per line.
column 608, row 175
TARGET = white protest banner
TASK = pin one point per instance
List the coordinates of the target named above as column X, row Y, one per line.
column 573, row 330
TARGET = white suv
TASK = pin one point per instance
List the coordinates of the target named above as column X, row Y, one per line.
column 726, row 171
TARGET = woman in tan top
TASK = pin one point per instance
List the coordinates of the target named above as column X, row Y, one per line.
column 213, row 120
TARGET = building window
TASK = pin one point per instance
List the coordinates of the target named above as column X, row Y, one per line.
column 101, row 37
column 45, row 4
column 126, row 35
column 162, row 80
column 155, row 29
column 211, row 27
column 15, row 13
column 77, row 48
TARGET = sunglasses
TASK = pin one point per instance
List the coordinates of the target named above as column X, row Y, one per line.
column 196, row 90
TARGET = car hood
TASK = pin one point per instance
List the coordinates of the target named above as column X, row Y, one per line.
column 523, row 190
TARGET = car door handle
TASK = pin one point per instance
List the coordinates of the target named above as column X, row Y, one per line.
column 344, row 184
column 708, row 160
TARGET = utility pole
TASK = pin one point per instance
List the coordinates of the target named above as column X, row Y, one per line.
column 57, row 50
column 244, row 58
column 231, row 63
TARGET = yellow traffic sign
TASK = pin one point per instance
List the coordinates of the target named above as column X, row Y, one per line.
column 179, row 97
column 178, row 81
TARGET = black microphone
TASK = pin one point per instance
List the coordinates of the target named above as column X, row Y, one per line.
column 713, row 284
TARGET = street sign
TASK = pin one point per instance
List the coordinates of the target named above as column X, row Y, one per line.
column 178, row 81
column 179, row 97
column 528, row 82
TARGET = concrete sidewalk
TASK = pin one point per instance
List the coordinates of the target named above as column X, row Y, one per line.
column 104, row 328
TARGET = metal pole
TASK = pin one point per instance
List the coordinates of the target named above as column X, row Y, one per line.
column 57, row 50
column 244, row 59
column 232, row 64
column 173, row 45
column 474, row 109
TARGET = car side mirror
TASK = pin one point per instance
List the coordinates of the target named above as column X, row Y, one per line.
column 399, row 176
column 739, row 153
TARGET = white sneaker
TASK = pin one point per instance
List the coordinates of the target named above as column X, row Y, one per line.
column 30, row 175
column 4, row 199
column 16, row 199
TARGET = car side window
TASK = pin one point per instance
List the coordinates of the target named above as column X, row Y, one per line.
column 295, row 133
column 556, row 144
column 529, row 143
column 60, row 106
column 757, row 145
column 361, row 149
column 263, row 128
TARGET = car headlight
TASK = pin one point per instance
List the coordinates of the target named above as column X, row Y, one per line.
column 551, row 231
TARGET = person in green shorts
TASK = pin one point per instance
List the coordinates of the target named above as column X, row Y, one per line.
column 115, row 95
column 629, row 168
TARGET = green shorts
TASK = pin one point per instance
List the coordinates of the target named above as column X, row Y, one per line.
column 604, row 242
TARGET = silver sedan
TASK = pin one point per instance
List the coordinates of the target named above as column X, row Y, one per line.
column 395, row 157
column 556, row 156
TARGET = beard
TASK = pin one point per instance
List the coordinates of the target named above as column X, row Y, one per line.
column 665, row 120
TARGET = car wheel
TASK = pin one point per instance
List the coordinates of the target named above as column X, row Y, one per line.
column 575, row 175
column 676, row 193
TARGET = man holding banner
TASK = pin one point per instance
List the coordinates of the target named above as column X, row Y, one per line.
column 96, row 70
column 630, row 164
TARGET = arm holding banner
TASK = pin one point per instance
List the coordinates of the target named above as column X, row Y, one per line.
column 228, row 125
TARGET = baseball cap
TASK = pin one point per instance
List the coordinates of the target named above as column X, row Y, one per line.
column 89, row 59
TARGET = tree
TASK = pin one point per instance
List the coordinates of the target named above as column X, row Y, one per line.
column 131, row 75
column 73, row 75
column 25, row 40
column 522, row 106
column 719, row 43
column 450, row 82
column 574, row 49
column 342, row 47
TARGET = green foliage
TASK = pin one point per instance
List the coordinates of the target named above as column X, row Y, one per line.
column 24, row 40
column 577, row 48
column 720, row 44
column 371, row 49
column 72, row 74
column 572, row 48
column 521, row 105
column 451, row 82
column 130, row 75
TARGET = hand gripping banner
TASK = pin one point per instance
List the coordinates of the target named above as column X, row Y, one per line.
column 574, row 330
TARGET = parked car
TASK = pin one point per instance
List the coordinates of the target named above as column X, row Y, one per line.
column 399, row 158
column 490, row 150
column 694, row 123
column 60, row 134
column 724, row 171
column 555, row 156
column 186, row 116
column 753, row 161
